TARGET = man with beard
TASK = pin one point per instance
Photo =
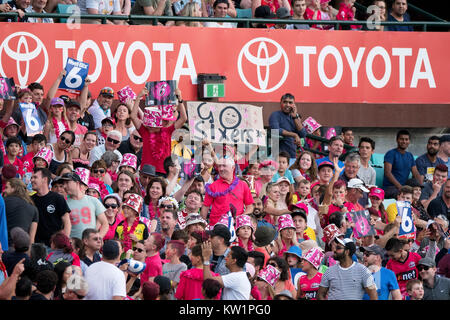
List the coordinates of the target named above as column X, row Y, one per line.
column 435, row 287
column 101, row 107
column 399, row 14
column 168, row 220
column 427, row 162
column 398, row 164
column 433, row 189
column 346, row 280
column 73, row 110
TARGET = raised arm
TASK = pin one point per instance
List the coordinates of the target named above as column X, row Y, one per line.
column 134, row 112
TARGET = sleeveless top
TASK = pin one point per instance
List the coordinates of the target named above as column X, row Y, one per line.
column 81, row 163
column 54, row 164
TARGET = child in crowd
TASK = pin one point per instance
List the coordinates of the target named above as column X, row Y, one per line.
column 172, row 269
column 210, row 289
column 283, row 164
column 304, row 167
column 191, row 280
column 244, row 232
column 308, row 284
column 415, row 291
column 153, row 244
column 12, row 150
column 286, row 235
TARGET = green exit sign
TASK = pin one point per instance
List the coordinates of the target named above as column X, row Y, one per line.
column 214, row 90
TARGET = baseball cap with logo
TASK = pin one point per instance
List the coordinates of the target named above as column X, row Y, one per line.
column 325, row 164
column 347, row 243
column 374, row 249
column 356, row 183
column 377, row 192
column 107, row 91
column 57, row 101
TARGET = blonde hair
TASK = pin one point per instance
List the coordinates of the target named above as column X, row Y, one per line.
column 20, row 190
column 188, row 11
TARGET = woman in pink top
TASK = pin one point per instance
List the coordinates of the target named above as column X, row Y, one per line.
column 113, row 214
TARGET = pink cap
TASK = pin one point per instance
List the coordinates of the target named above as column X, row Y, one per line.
column 130, row 160
column 84, row 174
column 377, row 192
column 314, row 256
column 330, row 232
column 135, row 202
column 285, row 221
column 299, row 205
column 269, row 274
column 46, row 154
column 244, row 220
column 311, row 125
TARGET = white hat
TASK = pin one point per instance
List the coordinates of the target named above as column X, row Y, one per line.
column 357, row 184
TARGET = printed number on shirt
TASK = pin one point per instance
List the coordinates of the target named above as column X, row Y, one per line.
column 83, row 215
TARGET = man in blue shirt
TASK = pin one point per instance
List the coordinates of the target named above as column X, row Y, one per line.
column 384, row 278
column 444, row 151
column 427, row 162
column 398, row 163
column 335, row 149
column 289, row 124
column 398, row 14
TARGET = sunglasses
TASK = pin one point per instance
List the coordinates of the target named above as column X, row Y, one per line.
column 137, row 138
column 166, row 206
column 420, row 268
column 368, row 254
column 114, row 206
column 65, row 140
column 138, row 249
column 113, row 140
column 98, row 170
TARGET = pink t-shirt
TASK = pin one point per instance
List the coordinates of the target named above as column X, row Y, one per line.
column 239, row 197
column 17, row 163
column 157, row 146
column 27, row 162
column 112, row 228
column 309, row 287
column 405, row 271
column 80, row 131
column 153, row 268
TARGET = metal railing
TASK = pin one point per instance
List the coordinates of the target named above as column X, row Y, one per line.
column 154, row 20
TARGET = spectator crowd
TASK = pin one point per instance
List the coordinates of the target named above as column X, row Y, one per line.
column 100, row 205
column 292, row 11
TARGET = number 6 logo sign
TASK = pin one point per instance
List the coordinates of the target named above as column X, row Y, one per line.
column 76, row 72
column 31, row 118
column 407, row 228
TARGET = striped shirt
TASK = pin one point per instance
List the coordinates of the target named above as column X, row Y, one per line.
column 347, row 283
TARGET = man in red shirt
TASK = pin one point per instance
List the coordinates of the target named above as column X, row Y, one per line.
column 355, row 191
column 226, row 190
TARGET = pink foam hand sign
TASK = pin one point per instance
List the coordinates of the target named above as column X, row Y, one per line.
column 7, row 89
column 362, row 226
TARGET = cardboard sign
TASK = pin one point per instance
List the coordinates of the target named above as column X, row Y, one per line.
column 31, row 118
column 407, row 228
column 7, row 89
column 362, row 225
column 226, row 123
column 161, row 93
column 76, row 73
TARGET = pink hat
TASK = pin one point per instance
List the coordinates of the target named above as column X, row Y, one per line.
column 135, row 202
column 314, row 256
column 126, row 93
column 152, row 117
column 311, row 125
column 130, row 160
column 46, row 154
column 269, row 274
column 330, row 232
column 285, row 221
column 11, row 122
column 299, row 205
column 224, row 220
column 377, row 192
column 244, row 220
column 167, row 112
column 84, row 175
column 94, row 186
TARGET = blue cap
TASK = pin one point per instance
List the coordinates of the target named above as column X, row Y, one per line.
column 294, row 250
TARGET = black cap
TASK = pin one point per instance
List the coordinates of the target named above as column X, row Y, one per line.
column 221, row 231
column 148, row 169
column 444, row 138
column 70, row 176
column 264, row 235
column 264, row 12
column 73, row 103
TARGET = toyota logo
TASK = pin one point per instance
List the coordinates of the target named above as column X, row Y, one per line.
column 22, row 54
column 262, row 60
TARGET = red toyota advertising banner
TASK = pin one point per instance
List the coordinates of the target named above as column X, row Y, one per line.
column 259, row 64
